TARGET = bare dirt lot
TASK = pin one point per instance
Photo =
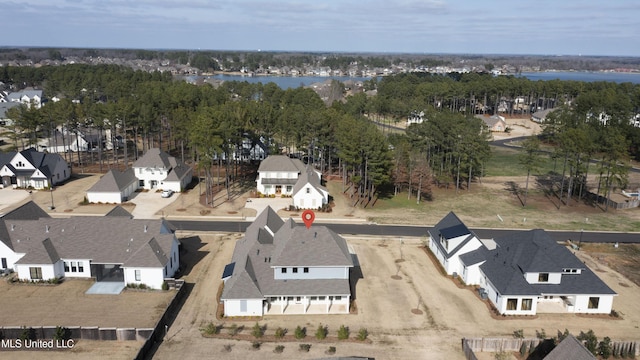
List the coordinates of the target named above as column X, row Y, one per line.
column 399, row 279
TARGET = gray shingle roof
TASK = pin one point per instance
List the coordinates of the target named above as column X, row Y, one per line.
column 281, row 163
column 309, row 176
column 535, row 251
column 570, row 349
column 114, row 181
column 119, row 211
column 291, row 244
column 156, row 158
column 108, row 239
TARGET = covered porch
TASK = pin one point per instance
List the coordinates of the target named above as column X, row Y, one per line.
column 298, row 305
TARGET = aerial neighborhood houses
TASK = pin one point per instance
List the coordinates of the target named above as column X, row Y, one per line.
column 280, row 267
column 280, row 175
column 114, row 248
column 522, row 273
column 32, row 169
column 156, row 170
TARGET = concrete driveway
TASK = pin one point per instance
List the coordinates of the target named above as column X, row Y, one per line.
column 148, row 204
column 10, row 197
column 259, row 204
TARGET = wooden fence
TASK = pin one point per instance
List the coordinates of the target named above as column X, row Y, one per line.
column 471, row 346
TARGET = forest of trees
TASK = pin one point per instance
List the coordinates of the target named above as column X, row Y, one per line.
column 448, row 149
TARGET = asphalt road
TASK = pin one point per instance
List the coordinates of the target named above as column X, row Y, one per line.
column 412, row 231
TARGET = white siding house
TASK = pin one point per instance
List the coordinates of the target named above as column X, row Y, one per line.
column 114, row 187
column 308, row 193
column 522, row 273
column 114, row 248
column 32, row 169
column 276, row 269
column 158, row 170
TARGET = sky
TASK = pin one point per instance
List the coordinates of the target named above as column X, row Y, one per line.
column 539, row 27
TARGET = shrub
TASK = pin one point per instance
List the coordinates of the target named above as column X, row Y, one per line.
column 363, row 334
column 343, row 333
column 518, row 334
column 590, row 340
column 256, row 345
column 280, row 332
column 300, row 333
column 541, row 334
column 321, row 333
column 279, row 349
column 211, row 329
column 331, row 350
column 165, row 286
column 27, row 334
column 257, row 331
column 305, row 347
column 604, row 347
column 61, row 333
column 233, row 330
column 227, row 347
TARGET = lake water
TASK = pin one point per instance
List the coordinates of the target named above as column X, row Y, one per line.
column 288, row 82
column 617, row 77
column 285, row 82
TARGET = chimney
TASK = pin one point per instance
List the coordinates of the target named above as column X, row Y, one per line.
column 13, row 227
column 46, row 228
column 145, row 228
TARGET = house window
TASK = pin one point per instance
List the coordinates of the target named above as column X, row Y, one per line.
column 4, row 263
column 337, row 298
column 141, row 182
column 306, row 270
column 526, row 304
column 321, row 298
column 314, row 298
column 295, row 270
column 74, row 267
column 66, row 266
column 512, row 304
column 80, row 266
column 137, row 274
column 283, row 270
column 243, row 306
column 298, row 298
column 594, row 301
column 289, row 188
column 35, row 273
column 308, row 190
column 543, row 277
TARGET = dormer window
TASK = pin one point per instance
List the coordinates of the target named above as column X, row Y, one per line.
column 543, row 277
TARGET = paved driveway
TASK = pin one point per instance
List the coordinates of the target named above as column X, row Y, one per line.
column 10, row 197
column 259, row 204
column 148, row 204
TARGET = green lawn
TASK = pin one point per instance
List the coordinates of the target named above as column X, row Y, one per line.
column 504, row 162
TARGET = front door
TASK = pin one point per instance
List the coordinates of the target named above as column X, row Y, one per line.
column 278, row 189
column 4, row 263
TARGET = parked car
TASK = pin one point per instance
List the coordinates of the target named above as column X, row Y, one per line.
column 167, row 193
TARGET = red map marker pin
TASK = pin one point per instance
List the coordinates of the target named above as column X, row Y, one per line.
column 307, row 217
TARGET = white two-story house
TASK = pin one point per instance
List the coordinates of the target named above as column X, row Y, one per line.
column 159, row 170
column 280, row 267
column 522, row 273
column 32, row 169
column 278, row 174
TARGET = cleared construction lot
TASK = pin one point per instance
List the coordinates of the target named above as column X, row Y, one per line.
column 398, row 278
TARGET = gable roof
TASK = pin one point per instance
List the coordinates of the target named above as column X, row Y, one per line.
column 114, row 181
column 311, row 177
column 281, row 163
column 270, row 242
column 44, row 162
column 570, row 349
column 451, row 227
column 103, row 240
column 155, row 158
column 535, row 251
column 119, row 211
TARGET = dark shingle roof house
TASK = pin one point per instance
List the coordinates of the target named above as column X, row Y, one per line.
column 521, row 273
